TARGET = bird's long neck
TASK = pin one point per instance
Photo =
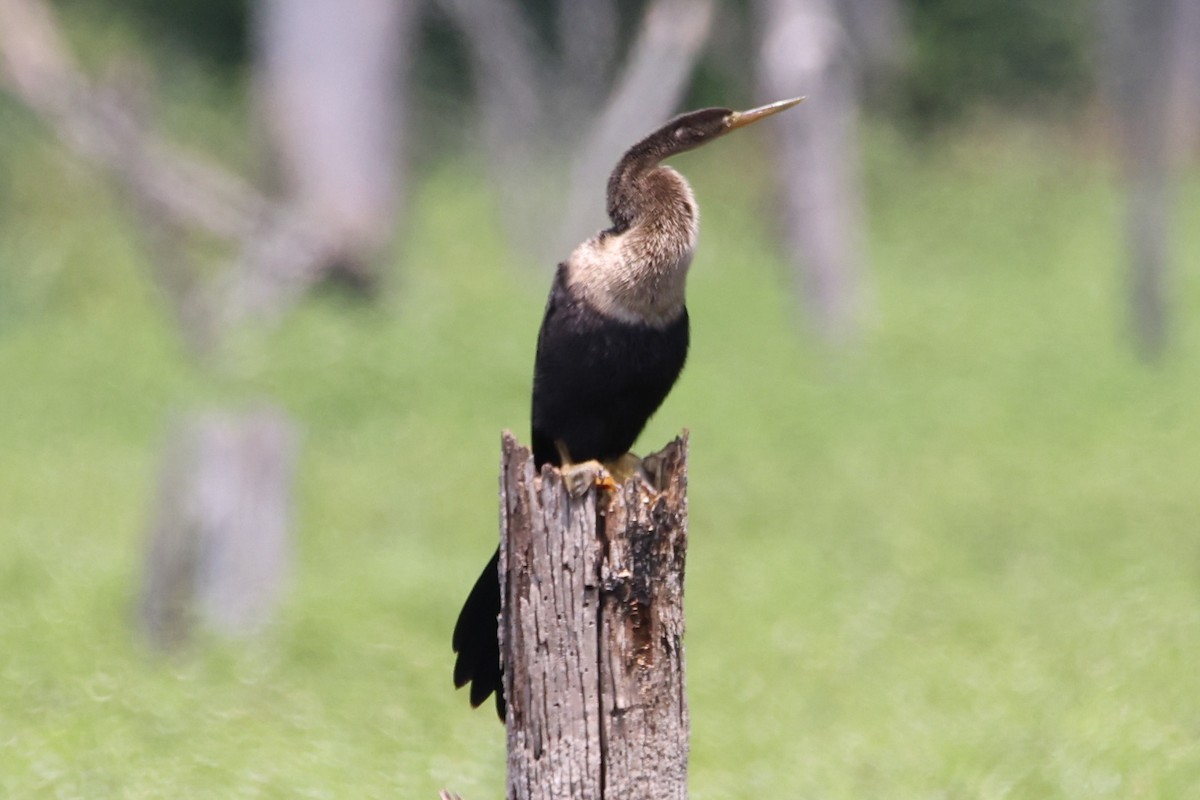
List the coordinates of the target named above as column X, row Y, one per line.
column 627, row 196
column 663, row 224
column 636, row 188
column 636, row 271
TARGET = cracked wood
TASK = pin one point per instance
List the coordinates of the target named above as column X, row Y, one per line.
column 592, row 632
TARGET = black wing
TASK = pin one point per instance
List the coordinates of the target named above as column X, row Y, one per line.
column 598, row 380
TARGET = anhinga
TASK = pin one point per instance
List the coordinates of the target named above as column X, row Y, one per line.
column 612, row 343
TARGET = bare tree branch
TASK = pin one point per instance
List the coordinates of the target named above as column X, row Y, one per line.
column 511, row 75
column 280, row 252
column 507, row 66
column 528, row 106
column 587, row 34
column 651, row 85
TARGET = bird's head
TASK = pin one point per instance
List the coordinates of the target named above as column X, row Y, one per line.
column 695, row 128
column 628, row 197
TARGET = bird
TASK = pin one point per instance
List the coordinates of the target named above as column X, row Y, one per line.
column 613, row 341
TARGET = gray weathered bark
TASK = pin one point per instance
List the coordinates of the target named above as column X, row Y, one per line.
column 592, row 632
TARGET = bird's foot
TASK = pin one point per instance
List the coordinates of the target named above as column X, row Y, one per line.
column 583, row 476
column 580, row 477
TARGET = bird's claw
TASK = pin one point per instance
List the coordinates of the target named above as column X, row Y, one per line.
column 581, row 477
column 609, row 475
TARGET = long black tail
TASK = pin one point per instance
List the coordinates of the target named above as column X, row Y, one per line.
column 476, row 639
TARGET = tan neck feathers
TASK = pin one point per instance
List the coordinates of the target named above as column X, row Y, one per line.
column 640, row 274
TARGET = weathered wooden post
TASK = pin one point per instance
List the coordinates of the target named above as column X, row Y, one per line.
column 592, row 632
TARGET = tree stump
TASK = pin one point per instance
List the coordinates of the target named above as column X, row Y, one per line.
column 592, row 632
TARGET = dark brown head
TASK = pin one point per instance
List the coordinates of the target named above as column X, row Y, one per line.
column 689, row 131
column 685, row 132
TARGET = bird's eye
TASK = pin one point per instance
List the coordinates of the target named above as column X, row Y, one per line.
column 681, row 134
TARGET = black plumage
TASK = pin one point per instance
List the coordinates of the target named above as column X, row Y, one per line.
column 612, row 343
column 597, row 380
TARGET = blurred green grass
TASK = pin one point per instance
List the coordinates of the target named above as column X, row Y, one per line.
column 959, row 560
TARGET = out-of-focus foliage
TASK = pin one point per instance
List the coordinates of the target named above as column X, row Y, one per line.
column 1026, row 53
column 215, row 30
column 963, row 53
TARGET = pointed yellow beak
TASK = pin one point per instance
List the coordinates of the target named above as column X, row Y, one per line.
column 740, row 119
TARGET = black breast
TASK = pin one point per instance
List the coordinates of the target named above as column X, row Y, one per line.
column 597, row 380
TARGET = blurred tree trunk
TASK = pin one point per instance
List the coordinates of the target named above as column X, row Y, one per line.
column 219, row 539
column 878, row 33
column 1185, row 79
column 1137, row 69
column 218, row 547
column 806, row 50
column 331, row 79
